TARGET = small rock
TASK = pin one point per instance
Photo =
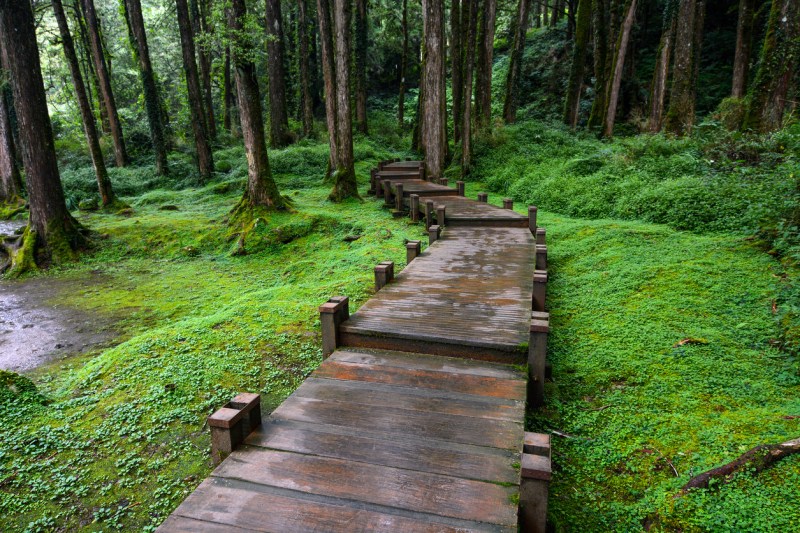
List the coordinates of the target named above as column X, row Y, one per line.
column 128, row 211
column 351, row 238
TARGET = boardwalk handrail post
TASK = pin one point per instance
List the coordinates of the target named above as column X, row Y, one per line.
column 508, row 203
column 387, row 192
column 422, row 174
column 384, row 273
column 443, row 181
column 414, row 207
column 537, row 355
column 541, row 257
column 331, row 314
column 483, row 197
column 232, row 423
column 371, row 189
column 440, row 212
column 535, row 484
column 541, row 236
column 460, row 187
column 398, row 199
column 532, row 211
column 428, row 214
column 413, row 249
column 378, row 187
column 433, row 234
column 539, row 290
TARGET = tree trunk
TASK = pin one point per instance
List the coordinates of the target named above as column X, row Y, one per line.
column 471, row 7
column 90, row 74
column 658, row 89
column 537, row 13
column 401, row 98
column 344, row 179
column 362, row 30
column 744, row 42
column 619, row 64
column 572, row 18
column 329, row 76
column 100, row 68
column 152, row 102
column 575, row 84
column 779, row 62
column 229, row 98
column 199, row 12
column 107, row 197
column 600, row 21
column 433, row 132
column 279, row 135
column 10, row 178
column 306, row 103
column 515, row 62
column 680, row 116
column 55, row 232
column 483, row 82
column 456, row 66
column 261, row 190
column 205, row 161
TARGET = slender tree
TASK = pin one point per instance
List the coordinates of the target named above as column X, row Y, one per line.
column 658, row 87
column 306, row 100
column 228, row 90
column 470, row 8
column 744, row 43
column 537, row 13
column 199, row 11
column 362, row 33
column 205, row 160
column 600, row 23
column 575, row 84
column 483, row 69
column 261, row 190
column 433, row 129
column 152, row 101
column 88, row 67
column 619, row 64
column 51, row 228
column 401, row 99
column 520, row 29
column 107, row 196
column 456, row 66
column 329, row 77
column 104, row 77
column 279, row 134
column 680, row 116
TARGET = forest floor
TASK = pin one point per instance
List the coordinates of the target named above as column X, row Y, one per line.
column 662, row 349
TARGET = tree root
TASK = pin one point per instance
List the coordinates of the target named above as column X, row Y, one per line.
column 17, row 253
column 756, row 460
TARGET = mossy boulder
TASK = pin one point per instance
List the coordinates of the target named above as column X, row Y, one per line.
column 88, row 204
column 16, row 389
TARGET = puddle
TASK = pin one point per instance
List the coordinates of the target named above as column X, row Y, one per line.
column 9, row 227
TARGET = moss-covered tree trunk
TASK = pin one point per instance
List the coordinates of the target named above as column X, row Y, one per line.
column 261, row 190
column 329, row 80
column 658, row 87
column 362, row 33
column 483, row 69
column 152, row 101
column 52, row 230
column 617, row 69
column 575, row 83
column 199, row 14
column 780, row 57
column 10, row 178
column 600, row 21
column 107, row 196
column 306, row 100
column 744, row 45
column 470, row 7
column 520, row 29
column 90, row 75
column 228, row 96
column 680, row 116
column 433, row 129
column 401, row 97
column 279, row 134
column 104, row 77
column 456, row 66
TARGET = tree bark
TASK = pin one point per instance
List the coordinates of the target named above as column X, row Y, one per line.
column 483, row 82
column 658, row 88
column 199, row 13
column 575, row 83
column 90, row 74
column 205, row 160
column 100, row 68
column 515, row 62
column 456, row 66
column 344, row 178
column 10, row 178
column 279, row 135
column 466, row 121
column 401, row 98
column 107, row 197
column 433, row 132
column 600, row 21
column 55, row 232
column 361, row 32
column 536, row 8
column 779, row 62
column 152, row 101
column 261, row 190
column 228, row 96
column 744, row 43
column 303, row 35
column 680, row 116
column 329, row 77
column 619, row 64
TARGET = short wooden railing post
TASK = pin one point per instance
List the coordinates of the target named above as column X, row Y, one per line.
column 541, row 236
column 398, row 197
column 413, row 249
column 372, row 181
column 423, row 173
column 433, row 234
column 387, row 192
column 535, row 485
column 443, row 181
column 331, row 314
column 428, row 213
column 508, row 203
column 532, row 211
column 537, row 357
column 414, row 207
column 440, row 211
column 378, row 187
column 541, row 257
column 460, row 186
column 483, row 197
column 539, row 290
column 384, row 273
column 231, row 424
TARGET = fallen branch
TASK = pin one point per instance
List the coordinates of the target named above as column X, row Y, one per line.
column 757, row 459
column 675, row 470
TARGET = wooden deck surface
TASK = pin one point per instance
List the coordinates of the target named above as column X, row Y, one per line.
column 462, row 211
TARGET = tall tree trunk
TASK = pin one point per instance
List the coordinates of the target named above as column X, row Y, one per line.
column 456, row 66
column 279, row 135
column 152, row 102
column 483, row 83
column 329, row 76
column 261, row 189
column 199, row 14
column 303, row 35
column 433, row 133
column 107, row 197
column 572, row 18
column 658, row 88
column 537, row 13
column 471, row 8
column 680, row 116
column 90, row 74
column 744, row 43
column 104, row 77
column 362, row 33
column 600, row 22
column 575, row 84
column 205, row 161
column 780, row 56
column 10, row 178
column 401, row 98
column 344, row 179
column 619, row 64
column 515, row 62
column 54, row 230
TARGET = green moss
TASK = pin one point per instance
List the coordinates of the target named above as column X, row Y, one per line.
column 23, row 260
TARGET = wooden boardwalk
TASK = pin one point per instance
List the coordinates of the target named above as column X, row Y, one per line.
column 412, row 423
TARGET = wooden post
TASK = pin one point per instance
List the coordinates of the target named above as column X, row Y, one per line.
column 460, row 187
column 537, row 355
column 331, row 314
column 440, row 215
column 413, row 249
column 422, row 172
column 414, row 207
column 541, row 235
column 389, row 265
column 541, row 257
column 372, row 174
column 232, row 423
column 539, row 290
column 508, row 203
column 250, row 404
column 428, row 213
column 433, row 234
column 535, row 485
column 483, row 197
column 384, row 273
column 532, row 218
column 398, row 198
column 387, row 192
column 443, row 181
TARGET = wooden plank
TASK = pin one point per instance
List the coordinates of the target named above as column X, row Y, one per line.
column 380, row 485
column 182, row 524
